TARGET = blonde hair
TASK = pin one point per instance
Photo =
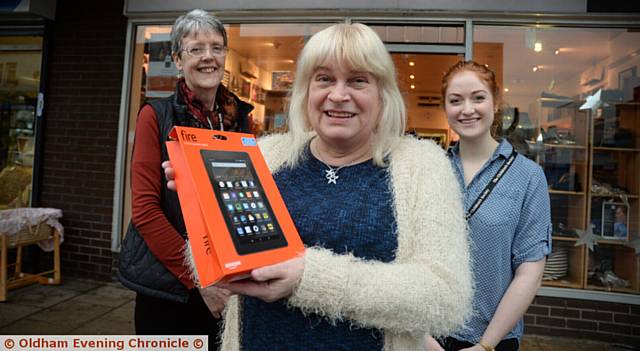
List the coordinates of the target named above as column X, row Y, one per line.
column 359, row 48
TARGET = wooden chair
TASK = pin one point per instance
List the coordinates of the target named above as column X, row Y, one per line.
column 28, row 236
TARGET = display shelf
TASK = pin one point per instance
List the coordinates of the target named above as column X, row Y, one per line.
column 613, row 242
column 564, row 192
column 617, row 258
column 611, row 289
column 629, row 196
column 564, row 238
column 566, row 146
column 575, row 260
column 562, row 283
column 621, row 149
column 567, row 211
column 581, row 151
column 565, row 168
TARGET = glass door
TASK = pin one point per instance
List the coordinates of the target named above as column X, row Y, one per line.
column 422, row 53
column 20, row 64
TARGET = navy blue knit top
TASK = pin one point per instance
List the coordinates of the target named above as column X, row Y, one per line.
column 354, row 215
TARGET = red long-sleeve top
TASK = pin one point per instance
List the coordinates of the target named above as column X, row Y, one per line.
column 161, row 237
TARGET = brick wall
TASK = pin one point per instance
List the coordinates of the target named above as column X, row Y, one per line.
column 613, row 323
column 82, row 111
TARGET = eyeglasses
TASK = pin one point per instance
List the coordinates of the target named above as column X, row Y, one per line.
column 201, row 50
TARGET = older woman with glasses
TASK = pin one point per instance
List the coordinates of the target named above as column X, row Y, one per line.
column 167, row 300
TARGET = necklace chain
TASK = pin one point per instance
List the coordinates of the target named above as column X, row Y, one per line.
column 331, row 174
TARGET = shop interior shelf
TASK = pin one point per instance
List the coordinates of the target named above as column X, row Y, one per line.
column 615, row 195
column 564, row 238
column 566, row 146
column 612, row 242
column 603, row 148
column 574, row 275
column 579, row 158
column 565, row 192
column 619, row 259
column 603, row 288
column 562, row 283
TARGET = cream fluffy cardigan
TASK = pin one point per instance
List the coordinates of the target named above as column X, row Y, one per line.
column 427, row 289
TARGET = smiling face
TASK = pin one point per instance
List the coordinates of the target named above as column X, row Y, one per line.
column 202, row 74
column 343, row 105
column 469, row 106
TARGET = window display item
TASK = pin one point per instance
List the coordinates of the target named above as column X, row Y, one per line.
column 587, row 238
column 562, row 230
column 235, row 217
column 23, row 227
column 604, row 189
column 561, row 179
column 14, row 181
column 609, row 279
column 615, row 220
column 593, row 102
column 162, row 74
column 557, row 264
column 555, row 135
column 611, row 135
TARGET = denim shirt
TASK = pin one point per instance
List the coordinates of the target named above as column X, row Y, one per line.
column 512, row 226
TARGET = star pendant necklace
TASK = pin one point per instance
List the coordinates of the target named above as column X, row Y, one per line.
column 331, row 174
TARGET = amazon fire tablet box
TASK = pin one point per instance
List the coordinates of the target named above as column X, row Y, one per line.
column 235, row 217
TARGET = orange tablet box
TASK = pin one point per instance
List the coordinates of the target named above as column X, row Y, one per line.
column 234, row 214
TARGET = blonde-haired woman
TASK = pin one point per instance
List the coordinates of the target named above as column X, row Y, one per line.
column 380, row 215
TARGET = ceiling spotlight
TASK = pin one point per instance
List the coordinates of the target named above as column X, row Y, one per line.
column 411, row 63
column 413, row 86
column 535, row 68
column 412, row 77
column 557, row 51
column 506, row 90
column 537, row 47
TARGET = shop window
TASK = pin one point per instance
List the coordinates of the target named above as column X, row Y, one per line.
column 259, row 68
column 591, row 157
column 419, row 80
column 20, row 62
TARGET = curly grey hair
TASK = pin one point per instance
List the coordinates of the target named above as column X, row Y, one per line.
column 195, row 21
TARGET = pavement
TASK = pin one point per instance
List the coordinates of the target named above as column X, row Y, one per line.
column 76, row 307
column 86, row 307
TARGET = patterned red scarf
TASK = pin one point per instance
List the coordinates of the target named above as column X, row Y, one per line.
column 225, row 105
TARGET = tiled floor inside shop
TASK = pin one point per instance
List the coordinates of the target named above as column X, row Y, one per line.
column 84, row 307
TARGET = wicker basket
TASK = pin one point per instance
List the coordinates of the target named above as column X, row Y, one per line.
column 29, row 235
